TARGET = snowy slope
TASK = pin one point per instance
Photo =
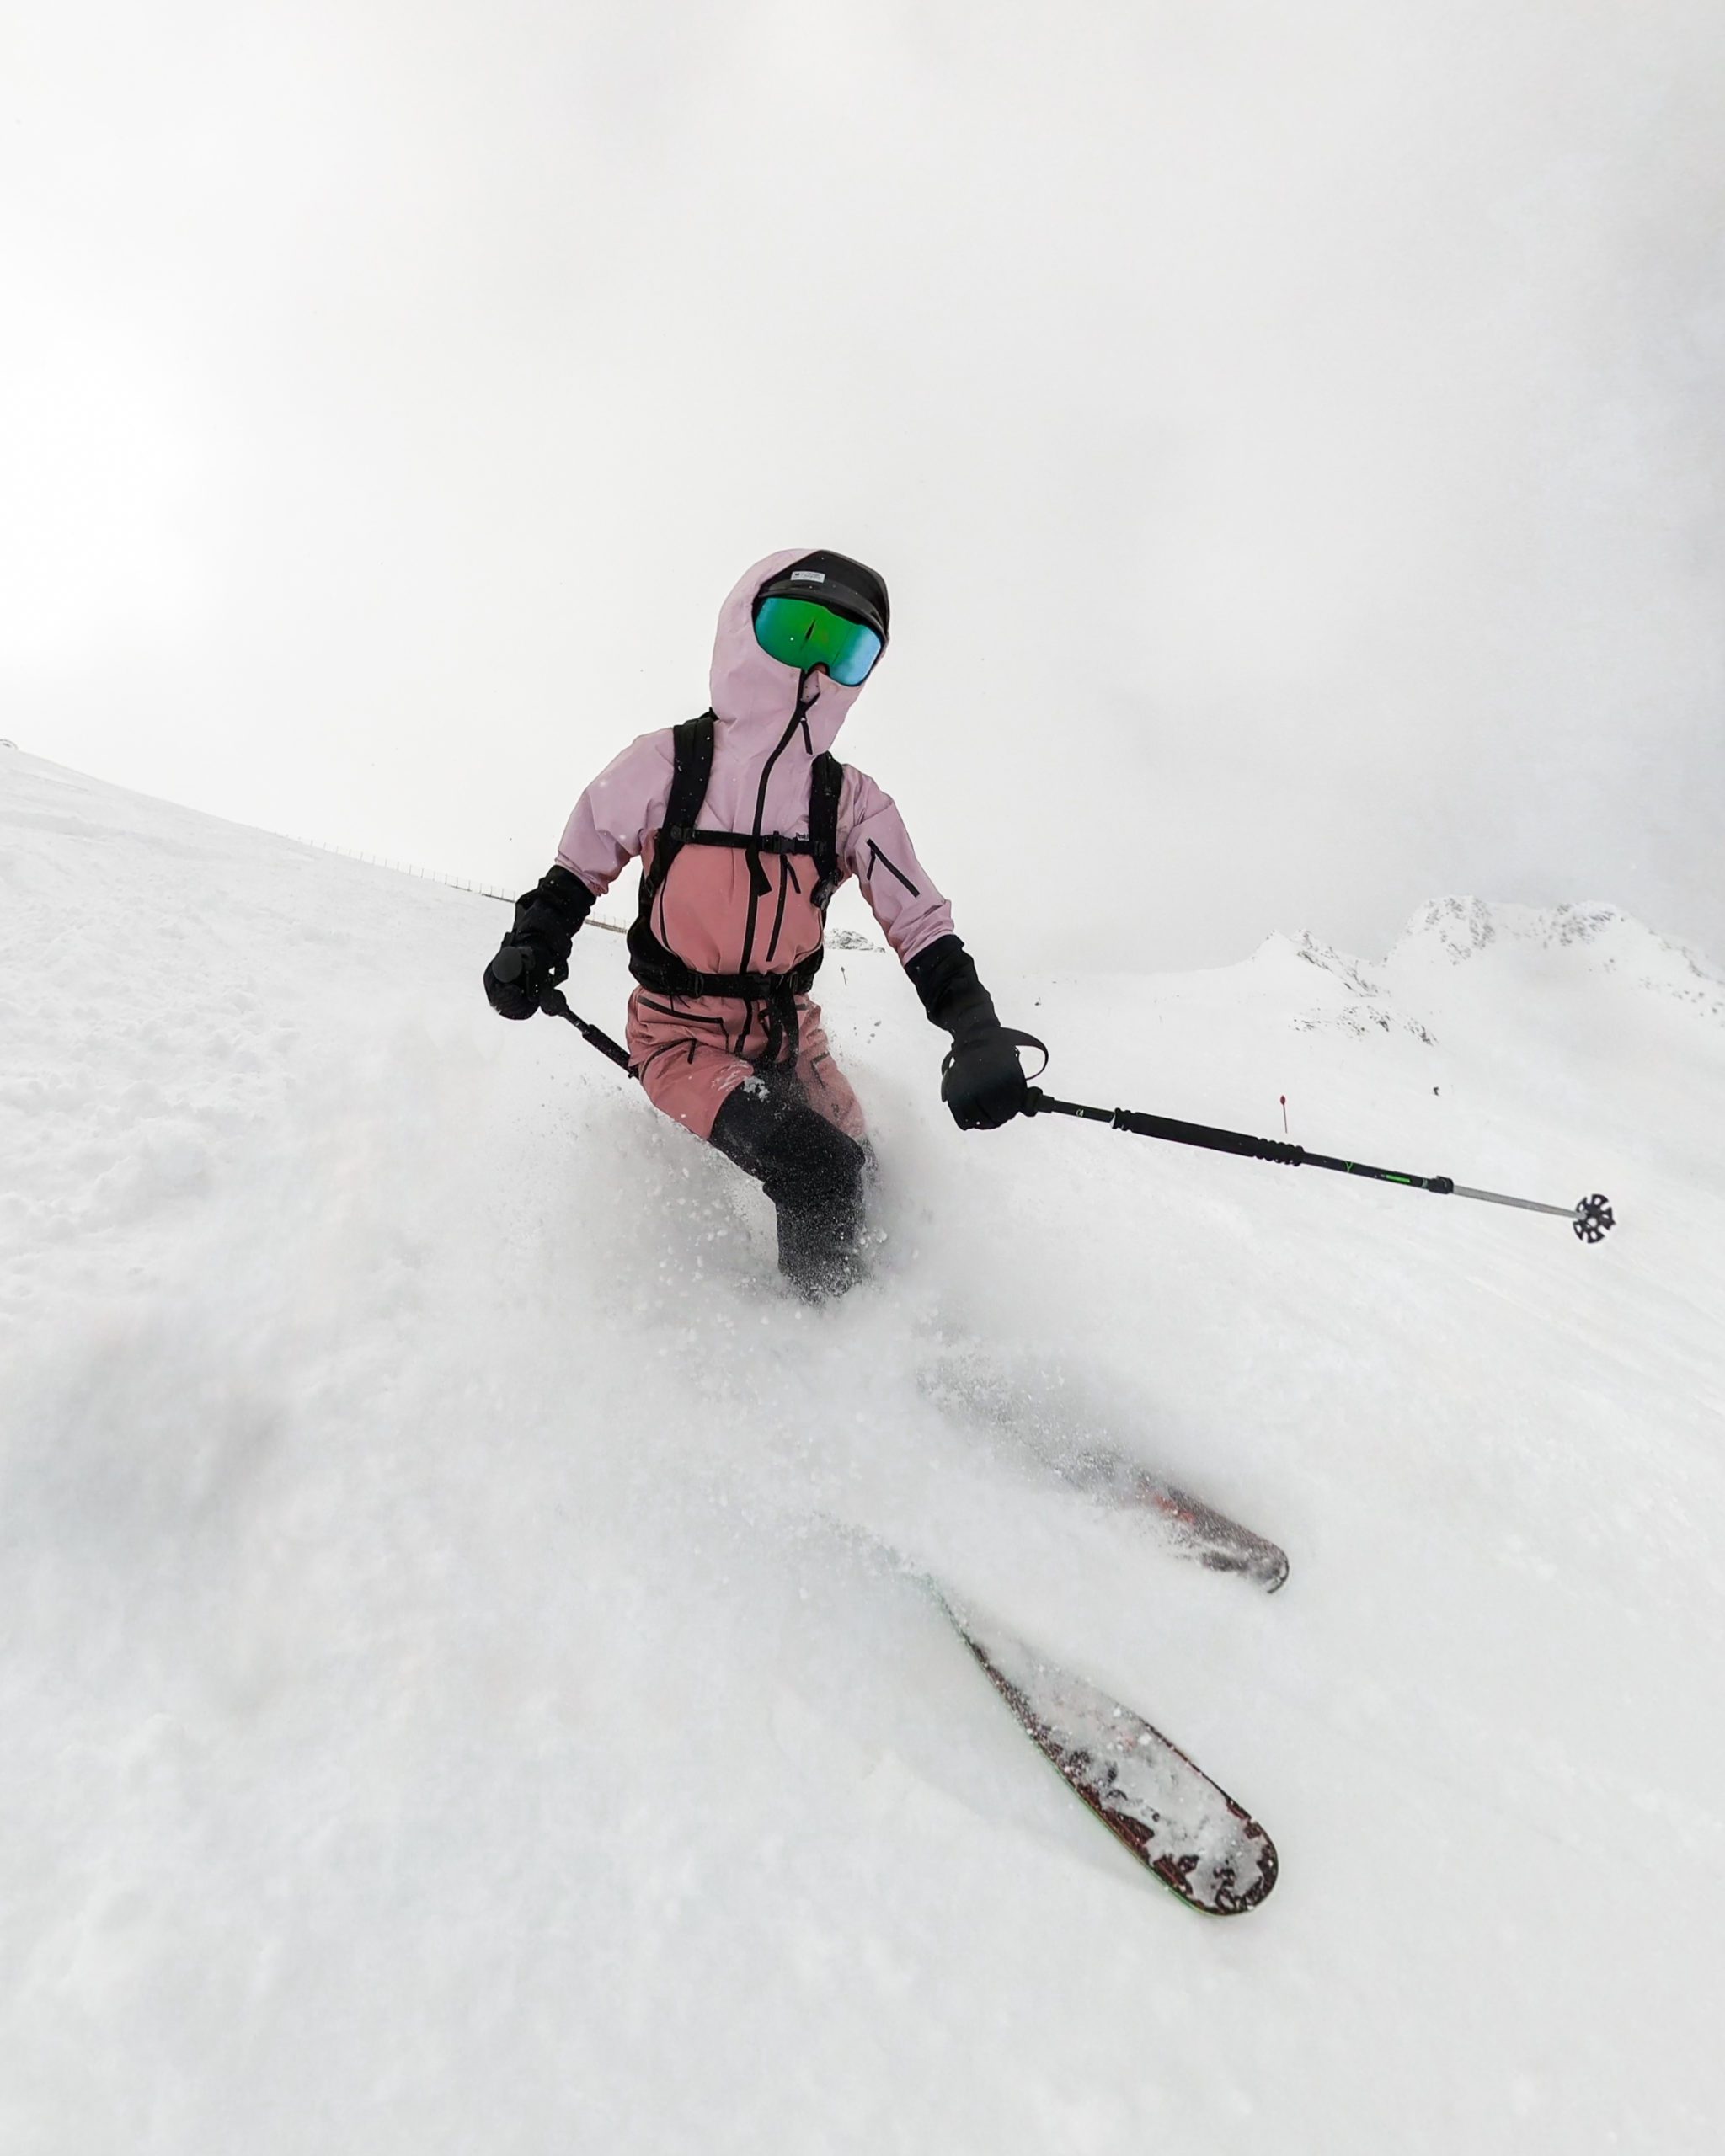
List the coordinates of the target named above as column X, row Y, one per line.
column 449, row 1704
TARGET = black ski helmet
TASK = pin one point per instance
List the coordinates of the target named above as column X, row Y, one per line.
column 832, row 580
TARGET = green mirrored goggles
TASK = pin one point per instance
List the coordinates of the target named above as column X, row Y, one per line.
column 798, row 633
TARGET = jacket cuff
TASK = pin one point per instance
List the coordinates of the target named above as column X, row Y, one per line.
column 944, row 977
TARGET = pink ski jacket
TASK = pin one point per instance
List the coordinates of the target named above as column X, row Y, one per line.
column 708, row 911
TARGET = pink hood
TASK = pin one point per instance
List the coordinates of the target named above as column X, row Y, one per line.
column 753, row 696
column 760, row 782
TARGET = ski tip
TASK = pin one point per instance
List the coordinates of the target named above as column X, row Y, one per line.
column 1230, row 1894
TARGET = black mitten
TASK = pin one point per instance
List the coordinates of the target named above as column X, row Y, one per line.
column 546, row 918
column 983, row 1083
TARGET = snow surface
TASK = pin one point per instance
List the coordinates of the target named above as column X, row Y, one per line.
column 453, row 1695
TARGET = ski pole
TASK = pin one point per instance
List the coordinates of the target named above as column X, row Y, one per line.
column 508, row 965
column 1589, row 1216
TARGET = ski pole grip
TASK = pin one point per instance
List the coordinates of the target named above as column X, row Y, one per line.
column 1214, row 1140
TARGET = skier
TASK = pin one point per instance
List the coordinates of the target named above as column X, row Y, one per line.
column 746, row 824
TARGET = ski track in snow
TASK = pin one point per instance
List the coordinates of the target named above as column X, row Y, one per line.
column 455, row 1695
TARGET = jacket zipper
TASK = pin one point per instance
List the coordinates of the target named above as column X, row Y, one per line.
column 797, row 719
column 881, row 860
column 787, row 877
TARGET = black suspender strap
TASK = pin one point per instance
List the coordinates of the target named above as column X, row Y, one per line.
column 826, row 783
column 692, row 767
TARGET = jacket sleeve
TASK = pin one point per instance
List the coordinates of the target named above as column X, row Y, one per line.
column 607, row 824
column 876, row 849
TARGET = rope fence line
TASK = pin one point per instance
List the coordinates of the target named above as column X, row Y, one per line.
column 433, row 876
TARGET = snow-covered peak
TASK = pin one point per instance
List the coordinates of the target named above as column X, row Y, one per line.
column 1589, row 937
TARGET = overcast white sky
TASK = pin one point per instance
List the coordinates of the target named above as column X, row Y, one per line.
column 1291, row 432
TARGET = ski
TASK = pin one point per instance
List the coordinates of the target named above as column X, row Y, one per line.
column 1194, row 1529
column 1038, row 1420
column 1150, row 1795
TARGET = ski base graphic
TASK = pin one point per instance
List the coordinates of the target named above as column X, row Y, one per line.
column 1152, row 1798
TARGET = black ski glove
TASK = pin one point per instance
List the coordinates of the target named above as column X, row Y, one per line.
column 983, row 1081
column 546, row 918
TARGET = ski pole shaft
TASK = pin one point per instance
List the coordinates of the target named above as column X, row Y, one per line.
column 1590, row 1216
column 1526, row 1205
column 555, row 1005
